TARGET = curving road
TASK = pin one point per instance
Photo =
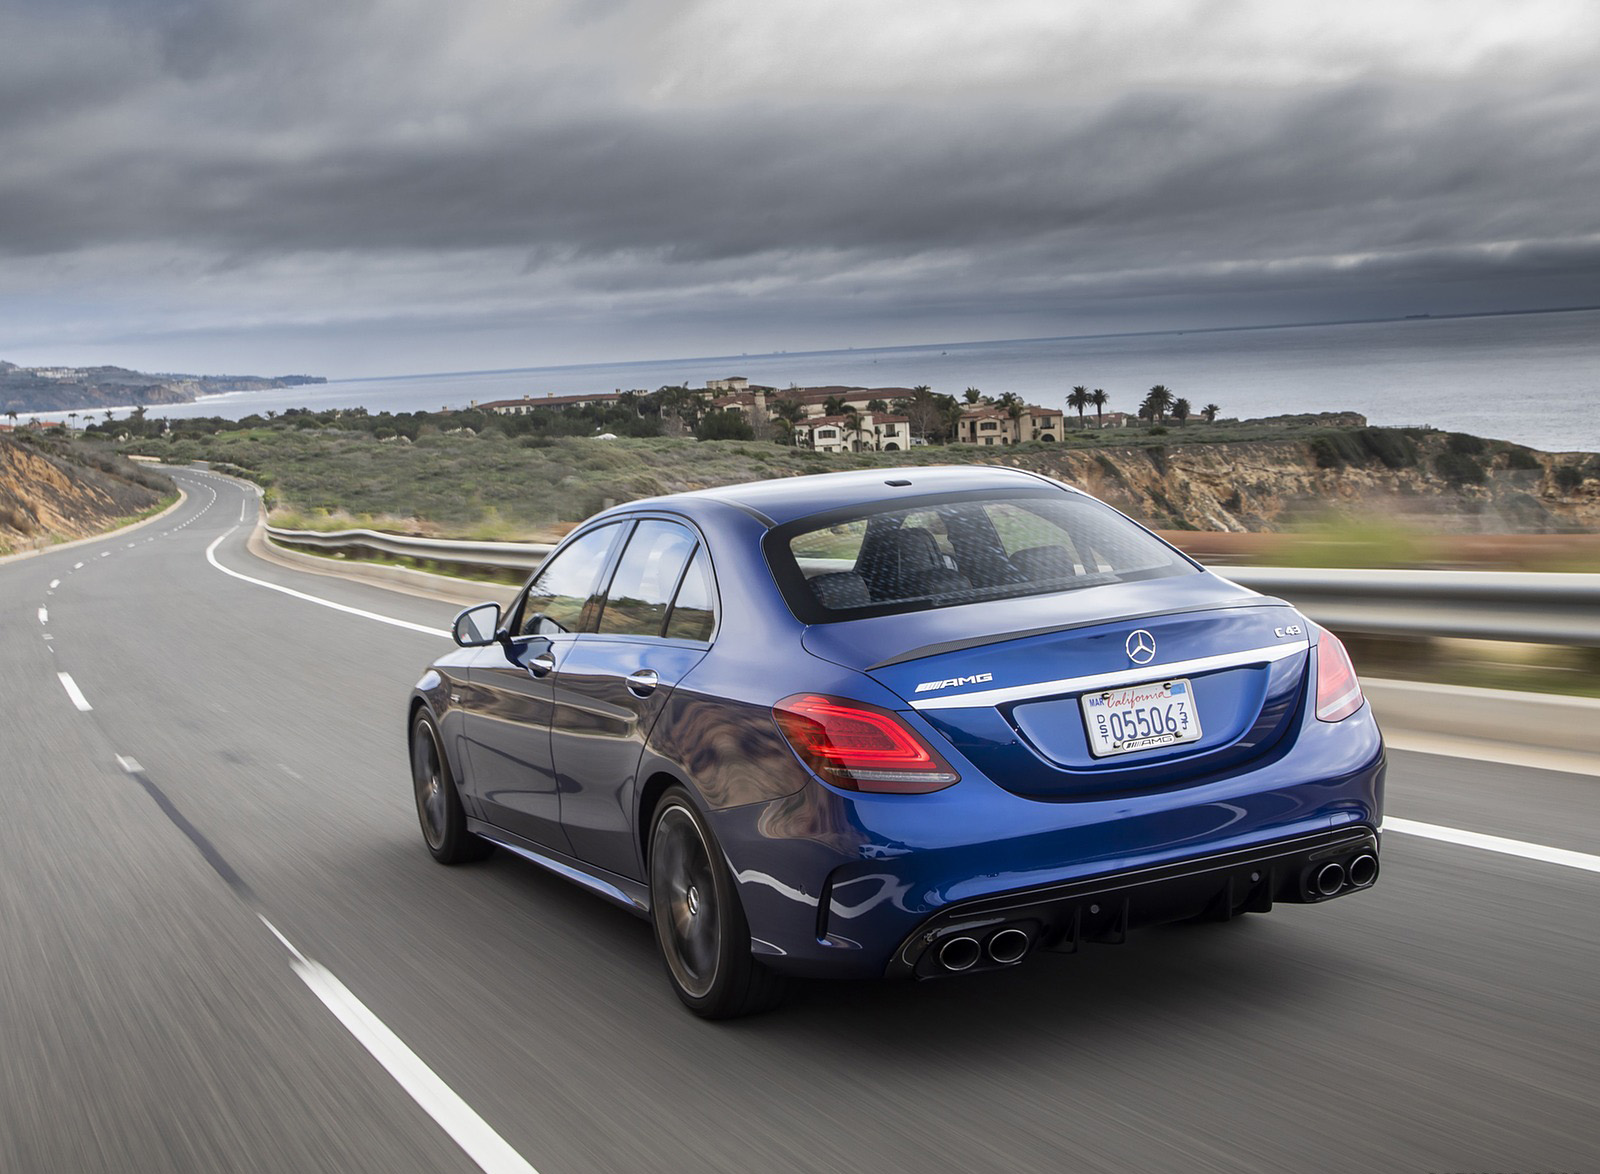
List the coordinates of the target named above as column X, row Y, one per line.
column 222, row 947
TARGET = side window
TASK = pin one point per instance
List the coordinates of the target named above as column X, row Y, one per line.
column 557, row 597
column 636, row 604
column 694, row 615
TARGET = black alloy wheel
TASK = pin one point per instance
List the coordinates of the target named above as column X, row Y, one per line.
column 699, row 922
column 444, row 823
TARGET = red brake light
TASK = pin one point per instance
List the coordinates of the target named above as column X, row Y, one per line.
column 860, row 747
column 1338, row 691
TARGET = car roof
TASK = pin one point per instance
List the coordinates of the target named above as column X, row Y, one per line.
column 784, row 499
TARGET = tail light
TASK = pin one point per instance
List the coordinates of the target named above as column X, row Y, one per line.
column 1338, row 691
column 860, row 747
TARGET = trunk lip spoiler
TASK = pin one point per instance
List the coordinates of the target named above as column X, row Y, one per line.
column 1133, row 676
column 965, row 643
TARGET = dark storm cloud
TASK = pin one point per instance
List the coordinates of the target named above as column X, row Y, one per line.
column 550, row 150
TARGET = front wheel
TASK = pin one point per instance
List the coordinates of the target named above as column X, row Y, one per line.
column 699, row 922
column 444, row 823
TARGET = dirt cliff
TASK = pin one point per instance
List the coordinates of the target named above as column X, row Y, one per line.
column 50, row 491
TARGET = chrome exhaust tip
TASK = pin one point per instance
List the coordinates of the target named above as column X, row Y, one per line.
column 1008, row 945
column 960, row 953
column 1363, row 870
column 1329, row 879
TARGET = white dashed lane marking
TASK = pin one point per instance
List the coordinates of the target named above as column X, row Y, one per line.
column 54, row 583
column 75, row 693
column 44, row 616
column 492, row 1153
column 1540, row 852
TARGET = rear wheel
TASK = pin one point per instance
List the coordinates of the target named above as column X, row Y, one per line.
column 444, row 823
column 699, row 922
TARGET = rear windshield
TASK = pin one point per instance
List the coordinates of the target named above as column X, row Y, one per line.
column 965, row 548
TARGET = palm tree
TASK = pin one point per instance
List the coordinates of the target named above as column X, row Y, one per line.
column 1078, row 400
column 791, row 411
column 11, row 413
column 972, row 395
column 1181, row 411
column 852, row 424
column 1016, row 409
column 834, row 405
column 1098, row 398
column 1159, row 401
column 1210, row 413
column 73, row 416
column 877, row 405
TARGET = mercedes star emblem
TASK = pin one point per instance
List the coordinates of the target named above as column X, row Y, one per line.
column 1141, row 647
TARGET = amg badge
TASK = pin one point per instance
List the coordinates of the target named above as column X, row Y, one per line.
column 975, row 679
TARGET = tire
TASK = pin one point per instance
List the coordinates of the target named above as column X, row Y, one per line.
column 439, row 811
column 699, row 921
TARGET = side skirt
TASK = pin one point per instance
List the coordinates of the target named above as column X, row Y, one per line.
column 619, row 890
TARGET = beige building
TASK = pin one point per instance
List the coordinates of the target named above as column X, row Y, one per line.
column 528, row 403
column 992, row 426
column 877, row 433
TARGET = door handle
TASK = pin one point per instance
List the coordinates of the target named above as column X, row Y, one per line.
column 541, row 665
column 643, row 682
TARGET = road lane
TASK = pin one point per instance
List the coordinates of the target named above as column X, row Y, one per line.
column 1442, row 1022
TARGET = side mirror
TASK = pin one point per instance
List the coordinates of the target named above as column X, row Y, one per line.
column 477, row 627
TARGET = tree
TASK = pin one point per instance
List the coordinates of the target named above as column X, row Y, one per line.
column 1078, row 400
column 73, row 416
column 724, row 424
column 1016, row 409
column 852, row 425
column 1210, row 413
column 834, row 405
column 1098, row 398
column 109, row 414
column 877, row 405
column 1159, row 402
column 972, row 395
column 791, row 411
column 1181, row 411
column 11, row 413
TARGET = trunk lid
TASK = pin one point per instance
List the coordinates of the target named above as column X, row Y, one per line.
column 1003, row 681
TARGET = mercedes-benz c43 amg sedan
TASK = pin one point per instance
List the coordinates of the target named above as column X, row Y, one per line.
column 896, row 723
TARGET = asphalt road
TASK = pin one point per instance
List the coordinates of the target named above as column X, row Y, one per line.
column 242, row 763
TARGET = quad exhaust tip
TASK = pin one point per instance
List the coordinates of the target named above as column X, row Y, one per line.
column 960, row 953
column 1008, row 945
column 1363, row 870
column 1329, row 879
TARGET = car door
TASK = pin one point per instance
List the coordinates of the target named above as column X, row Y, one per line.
column 507, row 727
column 655, row 624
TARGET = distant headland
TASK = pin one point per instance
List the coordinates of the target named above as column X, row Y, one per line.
column 61, row 389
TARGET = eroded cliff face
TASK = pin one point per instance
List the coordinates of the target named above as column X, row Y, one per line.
column 46, row 497
column 1269, row 484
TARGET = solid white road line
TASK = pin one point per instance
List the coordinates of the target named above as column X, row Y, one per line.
column 472, row 1133
column 1522, row 848
column 211, row 557
column 74, row 692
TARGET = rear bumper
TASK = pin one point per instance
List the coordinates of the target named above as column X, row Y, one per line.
column 1104, row 908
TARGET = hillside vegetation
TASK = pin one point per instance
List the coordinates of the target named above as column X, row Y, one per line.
column 53, row 490
column 441, row 473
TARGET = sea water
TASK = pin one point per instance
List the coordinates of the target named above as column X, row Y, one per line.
column 1529, row 378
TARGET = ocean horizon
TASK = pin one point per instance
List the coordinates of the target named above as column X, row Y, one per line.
column 1531, row 378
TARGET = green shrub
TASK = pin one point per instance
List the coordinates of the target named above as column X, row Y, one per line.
column 1460, row 442
column 1459, row 468
column 1394, row 449
column 1521, row 458
column 1568, row 478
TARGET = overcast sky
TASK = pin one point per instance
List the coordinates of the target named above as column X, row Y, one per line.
column 365, row 187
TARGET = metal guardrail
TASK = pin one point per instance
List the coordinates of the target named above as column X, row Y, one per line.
column 1537, row 608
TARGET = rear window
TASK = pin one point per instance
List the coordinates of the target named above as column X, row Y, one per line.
column 964, row 548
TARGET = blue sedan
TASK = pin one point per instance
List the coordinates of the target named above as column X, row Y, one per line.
column 896, row 723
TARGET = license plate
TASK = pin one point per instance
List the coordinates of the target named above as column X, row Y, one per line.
column 1140, row 717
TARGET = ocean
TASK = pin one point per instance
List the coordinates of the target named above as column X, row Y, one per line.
column 1529, row 378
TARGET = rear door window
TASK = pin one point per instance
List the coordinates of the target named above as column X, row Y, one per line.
column 646, row 577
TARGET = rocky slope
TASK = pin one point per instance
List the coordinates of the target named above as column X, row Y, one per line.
column 50, row 492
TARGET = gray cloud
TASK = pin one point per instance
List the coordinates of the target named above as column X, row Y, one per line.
column 808, row 175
